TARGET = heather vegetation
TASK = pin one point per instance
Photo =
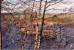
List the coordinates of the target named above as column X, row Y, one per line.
column 35, row 30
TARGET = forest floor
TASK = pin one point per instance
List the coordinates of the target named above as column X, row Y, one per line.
column 13, row 38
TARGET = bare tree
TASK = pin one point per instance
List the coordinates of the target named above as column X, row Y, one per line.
column 5, row 6
column 47, row 4
column 0, row 27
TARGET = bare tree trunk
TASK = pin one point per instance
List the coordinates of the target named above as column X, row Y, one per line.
column 39, row 36
column 31, row 17
column 40, row 7
column 0, row 27
column 0, row 40
column 42, row 24
column 37, row 40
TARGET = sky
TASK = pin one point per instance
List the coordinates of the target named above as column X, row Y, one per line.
column 70, row 1
column 13, row 1
column 67, row 4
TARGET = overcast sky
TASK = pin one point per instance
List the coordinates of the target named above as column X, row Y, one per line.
column 69, row 0
column 67, row 4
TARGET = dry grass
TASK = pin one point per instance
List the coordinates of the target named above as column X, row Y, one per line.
column 58, row 19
